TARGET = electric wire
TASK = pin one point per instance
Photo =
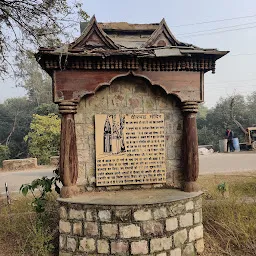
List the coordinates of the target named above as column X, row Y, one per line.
column 214, row 21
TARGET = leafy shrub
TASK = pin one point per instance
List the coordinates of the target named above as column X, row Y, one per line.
column 4, row 153
column 44, row 186
column 44, row 137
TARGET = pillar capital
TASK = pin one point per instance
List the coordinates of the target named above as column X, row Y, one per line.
column 68, row 107
column 189, row 107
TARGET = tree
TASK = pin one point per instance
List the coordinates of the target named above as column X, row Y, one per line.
column 201, row 116
column 15, row 117
column 34, row 80
column 4, row 153
column 27, row 24
column 44, row 137
column 211, row 128
column 251, row 105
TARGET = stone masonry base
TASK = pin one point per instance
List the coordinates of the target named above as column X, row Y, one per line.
column 171, row 228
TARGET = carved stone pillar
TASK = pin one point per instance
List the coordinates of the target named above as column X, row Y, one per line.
column 190, row 146
column 68, row 149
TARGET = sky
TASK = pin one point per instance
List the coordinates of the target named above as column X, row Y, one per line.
column 226, row 25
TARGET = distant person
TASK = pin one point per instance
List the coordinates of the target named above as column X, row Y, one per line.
column 229, row 136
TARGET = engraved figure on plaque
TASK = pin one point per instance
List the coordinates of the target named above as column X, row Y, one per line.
column 122, row 124
column 107, row 136
column 115, row 137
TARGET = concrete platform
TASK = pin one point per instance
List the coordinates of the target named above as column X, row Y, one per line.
column 131, row 197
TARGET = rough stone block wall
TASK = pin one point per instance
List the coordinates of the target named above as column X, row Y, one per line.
column 19, row 164
column 128, row 95
column 169, row 229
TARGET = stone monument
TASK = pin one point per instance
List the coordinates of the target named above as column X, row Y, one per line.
column 128, row 95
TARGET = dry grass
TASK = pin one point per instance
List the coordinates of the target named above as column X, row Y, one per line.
column 230, row 221
column 23, row 232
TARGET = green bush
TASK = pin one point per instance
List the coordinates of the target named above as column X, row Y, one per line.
column 44, row 137
column 4, row 153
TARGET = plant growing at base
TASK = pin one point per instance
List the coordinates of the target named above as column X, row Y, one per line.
column 223, row 188
column 43, row 186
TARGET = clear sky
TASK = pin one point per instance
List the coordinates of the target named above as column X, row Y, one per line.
column 235, row 73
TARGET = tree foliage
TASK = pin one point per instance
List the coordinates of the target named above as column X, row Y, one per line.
column 4, row 153
column 34, row 80
column 26, row 24
column 15, row 118
column 44, row 137
column 212, row 126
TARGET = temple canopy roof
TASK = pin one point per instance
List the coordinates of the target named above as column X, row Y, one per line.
column 121, row 38
column 120, row 45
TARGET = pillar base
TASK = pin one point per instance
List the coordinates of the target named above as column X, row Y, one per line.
column 69, row 191
column 191, row 186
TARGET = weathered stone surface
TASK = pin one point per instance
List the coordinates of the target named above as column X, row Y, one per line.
column 140, row 247
column 123, row 215
column 76, row 214
column 71, row 244
column 136, row 102
column 149, row 103
column 62, row 242
column 19, row 164
column 104, row 215
column 143, row 215
column 77, row 228
column 176, row 209
column 54, row 161
column 91, row 228
column 65, row 254
column 152, row 228
column 87, row 245
column 91, row 215
column 171, row 224
column 103, row 246
column 64, row 227
column 189, row 250
column 122, row 98
column 160, row 213
column 189, row 205
column 162, row 254
column 199, row 245
column 196, row 233
column 129, row 231
column 180, row 237
column 175, row 252
column 160, row 244
column 146, row 186
column 109, row 230
column 198, row 203
column 197, row 218
column 63, row 213
column 186, row 220
column 119, row 247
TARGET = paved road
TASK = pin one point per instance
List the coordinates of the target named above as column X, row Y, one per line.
column 227, row 163
column 16, row 179
column 209, row 164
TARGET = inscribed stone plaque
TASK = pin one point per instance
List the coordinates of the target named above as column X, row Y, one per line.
column 130, row 149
